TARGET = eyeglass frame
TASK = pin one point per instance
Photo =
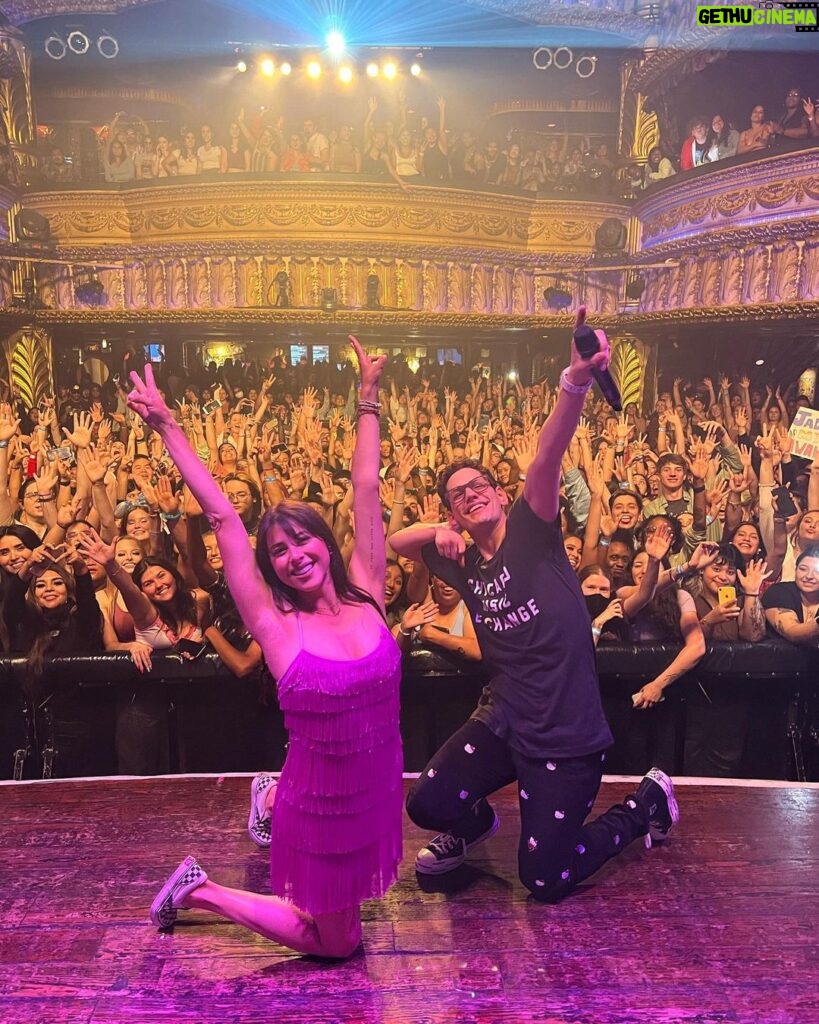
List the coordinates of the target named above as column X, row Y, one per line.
column 479, row 484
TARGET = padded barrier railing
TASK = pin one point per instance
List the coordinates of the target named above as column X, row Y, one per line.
column 747, row 710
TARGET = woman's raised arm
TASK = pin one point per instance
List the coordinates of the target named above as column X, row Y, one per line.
column 249, row 590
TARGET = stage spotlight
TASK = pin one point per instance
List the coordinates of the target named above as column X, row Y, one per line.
column 345, row 74
column 512, row 375
column 313, row 69
column 556, row 299
column 91, row 292
column 373, row 285
column 282, row 283
column 415, row 70
column 335, row 43
column 241, row 66
column 329, row 300
column 78, row 42
column 635, row 288
column 585, row 67
column 372, row 69
column 267, row 67
column 389, row 70
column 562, row 58
column 759, row 362
column 107, row 46
column 55, row 47
column 286, row 68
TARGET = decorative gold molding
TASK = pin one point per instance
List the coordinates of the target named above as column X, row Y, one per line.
column 773, row 190
column 279, row 211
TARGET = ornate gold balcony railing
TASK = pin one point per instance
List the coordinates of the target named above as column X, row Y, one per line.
column 739, row 241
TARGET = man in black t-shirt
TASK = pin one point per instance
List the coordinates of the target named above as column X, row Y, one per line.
column 539, row 721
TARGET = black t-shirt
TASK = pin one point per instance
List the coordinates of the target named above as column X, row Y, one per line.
column 533, row 629
column 784, row 595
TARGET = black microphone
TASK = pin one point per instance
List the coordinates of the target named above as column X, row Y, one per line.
column 587, row 344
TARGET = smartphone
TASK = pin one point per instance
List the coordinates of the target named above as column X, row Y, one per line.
column 31, row 466
column 209, row 408
column 246, row 407
column 727, row 595
column 785, row 505
column 190, row 649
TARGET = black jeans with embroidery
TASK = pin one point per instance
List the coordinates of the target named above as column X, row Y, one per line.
column 557, row 848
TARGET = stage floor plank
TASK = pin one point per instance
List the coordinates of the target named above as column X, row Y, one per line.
column 720, row 926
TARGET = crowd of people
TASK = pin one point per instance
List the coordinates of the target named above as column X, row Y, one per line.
column 387, row 146
column 104, row 548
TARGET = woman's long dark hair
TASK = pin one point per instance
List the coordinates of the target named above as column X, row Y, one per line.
column 47, row 621
column 182, row 607
column 294, row 517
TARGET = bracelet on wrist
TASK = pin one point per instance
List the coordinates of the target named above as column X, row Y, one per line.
column 170, row 517
column 751, row 595
column 413, row 631
column 571, row 388
column 698, row 490
column 4, row 444
column 46, row 497
column 604, row 542
column 596, row 632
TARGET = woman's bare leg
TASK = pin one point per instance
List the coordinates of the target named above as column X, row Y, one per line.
column 331, row 935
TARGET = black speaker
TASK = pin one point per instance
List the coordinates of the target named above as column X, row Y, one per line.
column 610, row 236
column 33, row 227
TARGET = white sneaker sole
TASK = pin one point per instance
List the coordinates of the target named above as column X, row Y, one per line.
column 667, row 786
column 442, row 867
column 168, row 891
column 254, row 816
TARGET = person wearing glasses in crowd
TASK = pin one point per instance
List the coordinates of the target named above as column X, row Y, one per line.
column 540, row 720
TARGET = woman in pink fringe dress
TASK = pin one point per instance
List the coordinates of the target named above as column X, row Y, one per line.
column 336, row 813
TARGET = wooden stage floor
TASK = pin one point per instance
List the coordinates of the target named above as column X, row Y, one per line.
column 721, row 925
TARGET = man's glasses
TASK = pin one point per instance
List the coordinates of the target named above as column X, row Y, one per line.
column 478, row 485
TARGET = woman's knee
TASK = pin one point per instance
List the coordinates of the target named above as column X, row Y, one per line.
column 338, row 935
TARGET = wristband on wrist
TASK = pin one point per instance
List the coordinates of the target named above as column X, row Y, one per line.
column 4, row 444
column 521, row 476
column 698, row 490
column 574, row 389
column 414, row 631
column 604, row 542
column 751, row 595
column 596, row 631
column 170, row 517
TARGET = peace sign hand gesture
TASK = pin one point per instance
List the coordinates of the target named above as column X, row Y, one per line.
column 147, row 402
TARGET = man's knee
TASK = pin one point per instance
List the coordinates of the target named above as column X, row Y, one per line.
column 423, row 809
column 546, row 885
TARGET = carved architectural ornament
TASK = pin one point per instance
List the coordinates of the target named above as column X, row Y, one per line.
column 767, row 191
column 281, row 211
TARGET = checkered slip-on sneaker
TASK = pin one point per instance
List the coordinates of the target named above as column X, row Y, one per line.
column 187, row 877
column 258, row 821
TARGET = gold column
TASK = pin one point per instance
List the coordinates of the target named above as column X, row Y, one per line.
column 28, row 358
column 638, row 131
column 16, row 104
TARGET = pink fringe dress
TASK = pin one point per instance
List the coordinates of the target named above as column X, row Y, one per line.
column 336, row 824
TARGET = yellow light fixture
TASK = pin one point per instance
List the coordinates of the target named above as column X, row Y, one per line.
column 390, row 70
column 372, row 69
column 345, row 74
column 286, row 68
column 313, row 69
column 267, row 67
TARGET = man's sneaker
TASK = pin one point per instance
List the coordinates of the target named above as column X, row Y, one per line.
column 258, row 822
column 447, row 851
column 656, row 794
column 187, row 877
